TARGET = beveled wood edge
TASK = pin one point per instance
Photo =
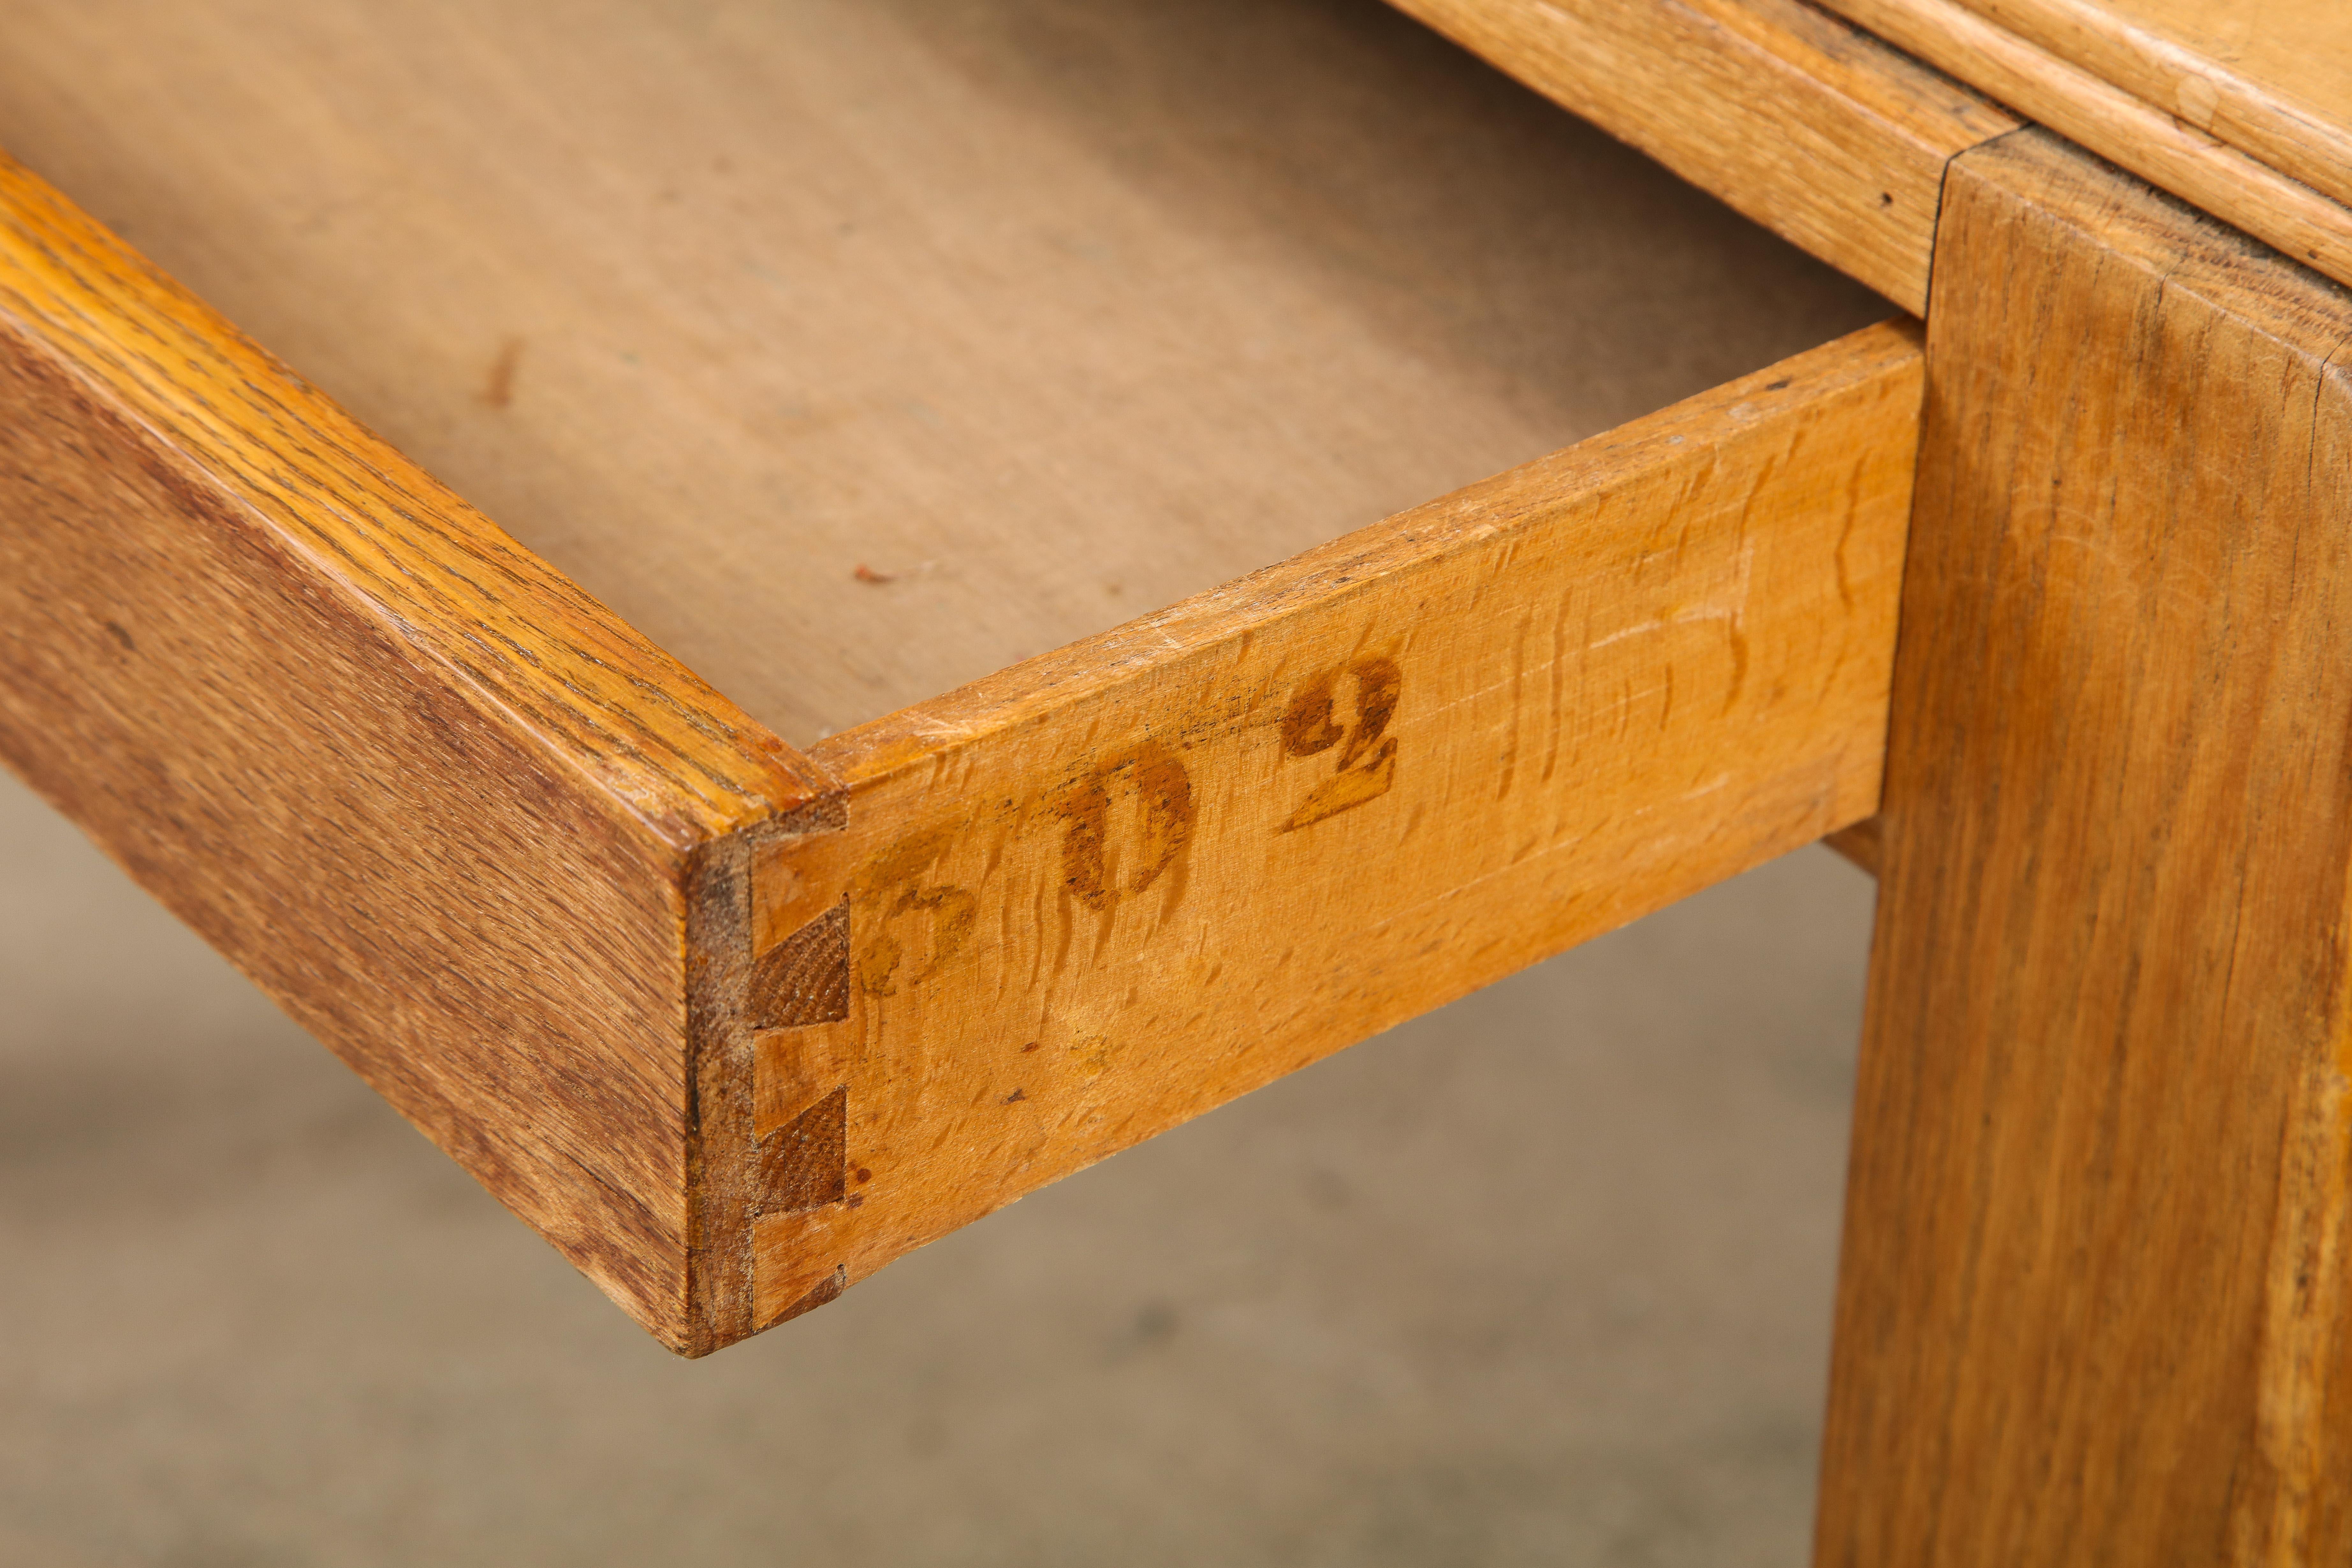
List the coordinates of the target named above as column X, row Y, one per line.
column 2192, row 164
column 2284, row 133
column 528, row 647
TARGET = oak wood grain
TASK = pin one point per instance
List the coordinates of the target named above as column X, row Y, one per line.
column 433, row 798
column 1104, row 891
column 1813, row 129
column 2157, row 106
column 2093, row 1298
column 1044, row 313
column 2271, row 77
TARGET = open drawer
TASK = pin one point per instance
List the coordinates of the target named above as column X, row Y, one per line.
column 825, row 358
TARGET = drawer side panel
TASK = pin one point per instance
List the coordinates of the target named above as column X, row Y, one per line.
column 1107, row 891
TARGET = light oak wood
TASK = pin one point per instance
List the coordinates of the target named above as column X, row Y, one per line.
column 1815, row 130
column 432, row 797
column 1104, row 891
column 2271, row 77
column 2093, row 1298
column 2086, row 69
column 853, row 350
column 603, row 934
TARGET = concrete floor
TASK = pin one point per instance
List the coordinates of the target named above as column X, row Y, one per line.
column 1543, row 1277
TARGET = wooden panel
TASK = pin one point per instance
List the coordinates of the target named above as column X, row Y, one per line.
column 2093, row 1298
column 1111, row 888
column 2163, row 117
column 1819, row 132
column 434, row 799
column 1043, row 312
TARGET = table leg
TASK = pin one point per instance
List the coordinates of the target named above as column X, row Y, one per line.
column 2092, row 1306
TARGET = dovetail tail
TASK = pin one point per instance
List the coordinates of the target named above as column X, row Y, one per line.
column 804, row 1164
column 824, row 1290
column 804, row 979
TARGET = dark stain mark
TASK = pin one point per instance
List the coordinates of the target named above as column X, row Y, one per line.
column 863, row 1175
column 115, row 629
column 824, row 1290
column 1780, row 386
column 497, row 391
column 1030, row 1047
column 855, row 1200
column 953, row 913
column 906, row 915
column 1307, row 727
column 804, row 979
column 1085, row 856
column 804, row 1164
column 865, row 574
column 1367, row 765
column 1378, row 683
column 1166, row 817
column 1166, row 790
column 1016, row 1096
column 1886, row 199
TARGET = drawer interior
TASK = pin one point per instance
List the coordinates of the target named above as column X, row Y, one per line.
column 856, row 348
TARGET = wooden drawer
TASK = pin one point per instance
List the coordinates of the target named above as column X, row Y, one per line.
column 835, row 357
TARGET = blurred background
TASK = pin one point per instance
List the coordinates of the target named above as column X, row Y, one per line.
column 1543, row 1277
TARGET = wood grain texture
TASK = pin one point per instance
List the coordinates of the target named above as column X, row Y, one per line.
column 1819, row 132
column 2270, row 78
column 433, row 798
column 522, row 637
column 2174, row 136
column 1045, row 312
column 1109, row 890
column 2093, row 1298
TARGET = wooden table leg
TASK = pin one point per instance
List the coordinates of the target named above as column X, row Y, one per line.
column 2092, row 1307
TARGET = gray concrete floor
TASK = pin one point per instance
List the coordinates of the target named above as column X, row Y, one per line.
column 1543, row 1277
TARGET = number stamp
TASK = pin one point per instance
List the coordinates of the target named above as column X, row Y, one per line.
column 1368, row 754
column 1162, row 791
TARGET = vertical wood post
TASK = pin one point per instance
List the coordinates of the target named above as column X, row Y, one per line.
column 2092, row 1306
